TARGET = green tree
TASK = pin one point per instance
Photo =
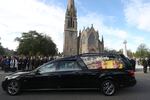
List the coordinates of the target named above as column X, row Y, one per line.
column 142, row 51
column 111, row 50
column 2, row 51
column 34, row 43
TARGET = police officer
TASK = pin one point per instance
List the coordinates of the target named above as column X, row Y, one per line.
column 133, row 62
column 145, row 64
column 149, row 63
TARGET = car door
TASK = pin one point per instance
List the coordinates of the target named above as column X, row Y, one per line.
column 45, row 77
column 70, row 73
column 91, row 73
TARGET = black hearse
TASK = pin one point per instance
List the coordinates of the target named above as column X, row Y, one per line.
column 104, row 71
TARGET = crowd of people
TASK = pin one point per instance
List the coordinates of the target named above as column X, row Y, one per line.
column 25, row 63
column 144, row 62
column 22, row 63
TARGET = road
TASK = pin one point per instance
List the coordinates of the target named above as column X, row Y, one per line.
column 139, row 92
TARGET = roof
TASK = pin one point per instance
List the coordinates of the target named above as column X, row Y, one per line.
column 85, row 54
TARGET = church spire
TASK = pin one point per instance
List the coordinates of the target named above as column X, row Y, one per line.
column 71, row 10
column 71, row 17
column 70, row 30
column 70, row 4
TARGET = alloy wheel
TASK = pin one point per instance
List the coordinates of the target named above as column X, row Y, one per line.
column 13, row 88
column 108, row 88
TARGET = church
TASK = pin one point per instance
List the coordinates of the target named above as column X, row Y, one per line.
column 86, row 41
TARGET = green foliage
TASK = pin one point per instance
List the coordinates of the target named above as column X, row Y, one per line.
column 111, row 50
column 129, row 52
column 142, row 51
column 2, row 51
column 33, row 43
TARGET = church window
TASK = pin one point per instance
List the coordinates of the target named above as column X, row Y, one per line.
column 91, row 40
column 83, row 39
column 71, row 22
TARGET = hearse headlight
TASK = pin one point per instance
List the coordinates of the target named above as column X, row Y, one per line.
column 11, row 77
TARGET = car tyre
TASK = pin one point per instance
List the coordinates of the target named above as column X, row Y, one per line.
column 13, row 87
column 108, row 87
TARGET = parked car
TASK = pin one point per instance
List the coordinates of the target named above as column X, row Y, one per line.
column 104, row 71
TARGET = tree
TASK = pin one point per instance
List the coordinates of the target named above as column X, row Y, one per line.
column 33, row 43
column 2, row 51
column 142, row 51
column 111, row 50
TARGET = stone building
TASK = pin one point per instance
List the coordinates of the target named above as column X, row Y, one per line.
column 88, row 39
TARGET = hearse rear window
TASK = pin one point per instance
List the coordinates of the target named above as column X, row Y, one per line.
column 103, row 62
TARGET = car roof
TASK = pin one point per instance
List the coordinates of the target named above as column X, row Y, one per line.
column 72, row 58
column 88, row 54
column 102, row 53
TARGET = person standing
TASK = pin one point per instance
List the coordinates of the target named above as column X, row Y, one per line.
column 149, row 63
column 28, row 64
column 133, row 62
column 24, row 63
column 13, row 64
column 32, row 62
column 6, row 64
column 19, row 63
column 145, row 64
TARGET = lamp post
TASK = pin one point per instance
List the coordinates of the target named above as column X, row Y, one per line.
column 125, row 48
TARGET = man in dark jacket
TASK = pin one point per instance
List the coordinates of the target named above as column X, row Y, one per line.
column 149, row 63
column 133, row 62
column 145, row 64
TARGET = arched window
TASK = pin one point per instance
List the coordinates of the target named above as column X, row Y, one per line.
column 69, row 23
column 92, row 39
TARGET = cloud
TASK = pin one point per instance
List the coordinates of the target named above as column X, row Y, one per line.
column 113, row 36
column 19, row 16
column 137, row 14
column 98, row 21
column 115, row 32
column 89, row 19
column 138, row 39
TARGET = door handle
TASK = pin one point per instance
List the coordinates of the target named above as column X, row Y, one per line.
column 93, row 73
column 59, row 75
column 76, row 72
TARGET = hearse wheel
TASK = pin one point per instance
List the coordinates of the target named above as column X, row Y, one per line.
column 13, row 87
column 108, row 87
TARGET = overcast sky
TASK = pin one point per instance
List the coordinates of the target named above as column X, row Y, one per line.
column 116, row 20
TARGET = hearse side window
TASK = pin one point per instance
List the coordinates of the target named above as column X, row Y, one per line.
column 103, row 62
column 126, row 61
column 47, row 68
column 81, row 63
column 68, row 66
